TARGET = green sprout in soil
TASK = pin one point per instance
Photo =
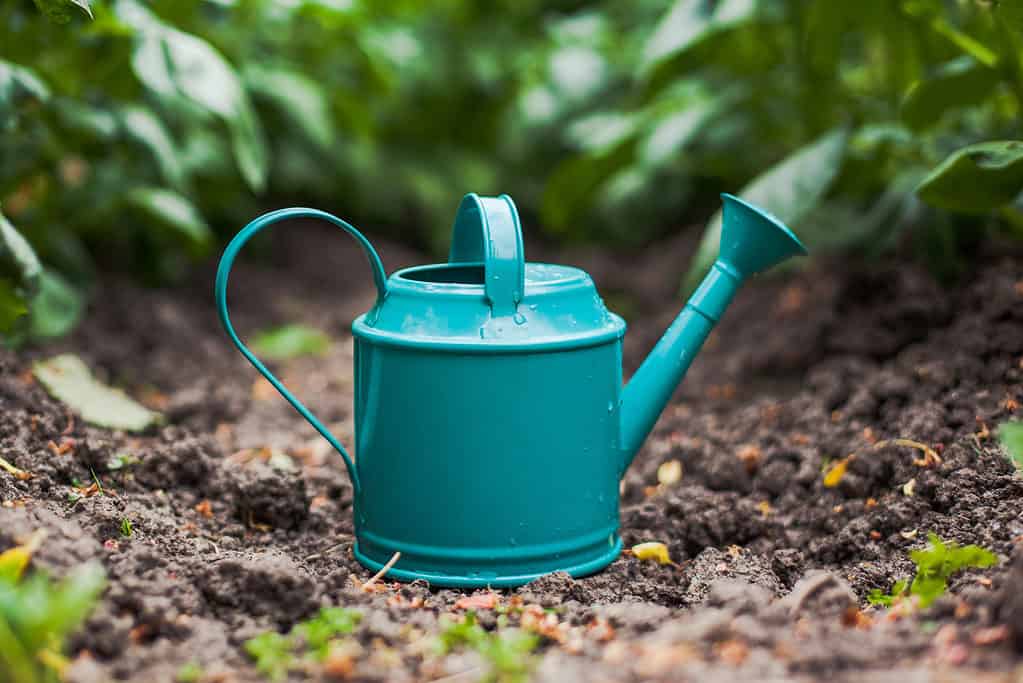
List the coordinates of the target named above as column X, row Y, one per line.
column 121, row 461
column 1011, row 436
column 934, row 566
column 37, row 614
column 507, row 653
column 309, row 641
column 189, row 673
column 127, row 528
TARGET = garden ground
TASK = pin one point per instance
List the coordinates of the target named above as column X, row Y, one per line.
column 230, row 538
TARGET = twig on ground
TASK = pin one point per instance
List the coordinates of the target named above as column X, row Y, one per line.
column 383, row 570
column 14, row 471
column 931, row 457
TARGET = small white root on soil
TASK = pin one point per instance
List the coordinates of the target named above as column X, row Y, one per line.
column 931, row 457
column 383, row 570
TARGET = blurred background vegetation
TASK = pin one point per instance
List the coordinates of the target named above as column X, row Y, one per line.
column 139, row 135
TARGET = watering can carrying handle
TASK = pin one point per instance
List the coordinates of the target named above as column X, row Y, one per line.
column 220, row 292
column 487, row 231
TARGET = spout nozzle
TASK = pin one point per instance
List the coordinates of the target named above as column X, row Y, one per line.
column 752, row 240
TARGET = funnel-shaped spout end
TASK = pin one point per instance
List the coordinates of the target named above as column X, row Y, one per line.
column 752, row 240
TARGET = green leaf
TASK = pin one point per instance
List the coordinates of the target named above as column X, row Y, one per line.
column 18, row 86
column 291, row 341
column 790, row 190
column 18, row 262
column 568, row 193
column 248, row 146
column 272, row 654
column 69, row 380
column 690, row 22
column 59, row 11
column 960, row 83
column 12, row 305
column 976, row 178
column 173, row 63
column 1011, row 436
column 56, row 309
column 297, row 96
column 142, row 126
column 671, row 133
column 175, row 213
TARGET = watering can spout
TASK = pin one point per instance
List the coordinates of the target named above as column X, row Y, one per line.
column 751, row 241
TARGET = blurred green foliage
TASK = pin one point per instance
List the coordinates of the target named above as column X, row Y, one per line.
column 138, row 134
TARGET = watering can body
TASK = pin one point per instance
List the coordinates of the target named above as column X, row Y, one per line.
column 492, row 427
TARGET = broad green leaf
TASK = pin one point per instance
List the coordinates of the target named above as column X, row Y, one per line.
column 671, row 133
column 85, row 120
column 297, row 96
column 291, row 341
column 69, row 380
column 18, row 86
column 960, row 83
column 789, row 190
column 173, row 63
column 689, row 22
column 142, row 126
column 569, row 190
column 249, row 146
column 1011, row 436
column 12, row 305
column 18, row 261
column 176, row 213
column 59, row 11
column 56, row 309
column 976, row 178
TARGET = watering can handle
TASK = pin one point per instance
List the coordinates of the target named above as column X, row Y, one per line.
column 220, row 292
column 487, row 231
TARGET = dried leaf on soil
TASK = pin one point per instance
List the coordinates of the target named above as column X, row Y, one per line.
column 68, row 379
column 669, row 473
column 478, row 601
column 836, row 472
column 652, row 551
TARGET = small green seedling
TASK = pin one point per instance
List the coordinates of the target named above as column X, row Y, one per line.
column 189, row 673
column 291, row 341
column 276, row 654
column 1011, row 436
column 507, row 653
column 127, row 528
column 37, row 614
column 121, row 461
column 934, row 566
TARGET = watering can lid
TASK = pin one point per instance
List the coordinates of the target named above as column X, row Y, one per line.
column 487, row 298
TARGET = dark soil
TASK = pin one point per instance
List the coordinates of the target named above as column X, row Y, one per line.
column 775, row 568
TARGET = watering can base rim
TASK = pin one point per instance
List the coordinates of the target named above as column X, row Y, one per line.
column 456, row 580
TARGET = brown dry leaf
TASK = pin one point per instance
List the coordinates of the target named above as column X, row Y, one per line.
column 836, row 472
column 871, row 503
column 750, row 456
column 853, row 617
column 991, row 635
column 478, row 601
column 341, row 659
column 14, row 471
column 669, row 473
column 546, row 624
column 792, row 299
column 205, row 508
column 67, row 445
column 600, row 629
column 1010, row 405
column 732, row 651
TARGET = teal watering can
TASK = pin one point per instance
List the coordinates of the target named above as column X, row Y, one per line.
column 491, row 424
